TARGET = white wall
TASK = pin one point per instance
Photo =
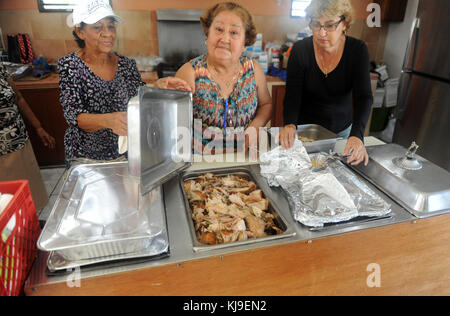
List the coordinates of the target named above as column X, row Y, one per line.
column 397, row 40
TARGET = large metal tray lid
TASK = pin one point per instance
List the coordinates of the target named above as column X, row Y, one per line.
column 159, row 135
column 99, row 213
column 423, row 192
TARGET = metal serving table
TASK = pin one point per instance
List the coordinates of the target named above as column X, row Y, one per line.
column 181, row 245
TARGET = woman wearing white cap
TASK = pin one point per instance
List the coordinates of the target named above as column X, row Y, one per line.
column 96, row 85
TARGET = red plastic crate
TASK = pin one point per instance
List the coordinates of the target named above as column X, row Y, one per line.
column 19, row 231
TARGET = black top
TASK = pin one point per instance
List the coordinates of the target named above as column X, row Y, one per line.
column 312, row 98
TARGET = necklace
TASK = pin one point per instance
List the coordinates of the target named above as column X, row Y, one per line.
column 324, row 66
column 228, row 84
column 329, row 68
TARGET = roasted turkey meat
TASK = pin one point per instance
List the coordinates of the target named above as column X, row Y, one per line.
column 228, row 209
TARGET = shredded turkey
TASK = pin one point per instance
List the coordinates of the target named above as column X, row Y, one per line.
column 228, row 209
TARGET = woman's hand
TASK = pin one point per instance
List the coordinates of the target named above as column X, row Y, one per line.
column 117, row 121
column 287, row 136
column 173, row 83
column 251, row 142
column 46, row 139
column 359, row 151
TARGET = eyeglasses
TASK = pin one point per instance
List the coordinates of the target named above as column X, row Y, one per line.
column 328, row 27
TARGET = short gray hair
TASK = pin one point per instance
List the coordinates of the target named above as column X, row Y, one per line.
column 331, row 8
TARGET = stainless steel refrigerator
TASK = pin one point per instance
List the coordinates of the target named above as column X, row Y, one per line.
column 423, row 107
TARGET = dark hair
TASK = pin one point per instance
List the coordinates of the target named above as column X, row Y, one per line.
column 247, row 19
column 80, row 42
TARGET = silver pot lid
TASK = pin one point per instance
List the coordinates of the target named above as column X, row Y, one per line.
column 417, row 184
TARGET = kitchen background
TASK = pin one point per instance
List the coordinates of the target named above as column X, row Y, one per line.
column 52, row 38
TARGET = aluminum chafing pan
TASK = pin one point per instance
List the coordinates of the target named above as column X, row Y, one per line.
column 323, row 140
column 100, row 213
column 158, row 248
column 247, row 173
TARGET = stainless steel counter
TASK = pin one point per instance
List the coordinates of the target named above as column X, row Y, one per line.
column 181, row 243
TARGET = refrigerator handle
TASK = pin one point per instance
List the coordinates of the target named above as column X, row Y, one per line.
column 402, row 96
column 405, row 84
column 412, row 44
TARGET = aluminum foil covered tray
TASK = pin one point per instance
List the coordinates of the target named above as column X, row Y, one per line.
column 159, row 248
column 331, row 195
column 100, row 213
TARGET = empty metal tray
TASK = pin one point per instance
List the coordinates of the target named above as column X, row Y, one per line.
column 323, row 140
column 100, row 213
column 423, row 192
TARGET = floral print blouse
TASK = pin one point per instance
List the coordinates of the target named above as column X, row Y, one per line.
column 13, row 133
column 82, row 91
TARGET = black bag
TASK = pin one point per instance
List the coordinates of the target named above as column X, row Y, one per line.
column 13, row 49
column 19, row 49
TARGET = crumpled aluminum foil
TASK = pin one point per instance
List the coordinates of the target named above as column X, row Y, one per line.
column 367, row 201
column 329, row 196
column 281, row 162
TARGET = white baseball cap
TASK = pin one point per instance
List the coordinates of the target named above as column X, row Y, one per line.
column 92, row 11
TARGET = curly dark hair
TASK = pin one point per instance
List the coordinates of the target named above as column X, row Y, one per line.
column 80, row 42
column 244, row 14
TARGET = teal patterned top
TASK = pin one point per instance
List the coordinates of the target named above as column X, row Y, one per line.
column 209, row 105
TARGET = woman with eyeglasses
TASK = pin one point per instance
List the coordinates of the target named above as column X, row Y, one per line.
column 328, row 80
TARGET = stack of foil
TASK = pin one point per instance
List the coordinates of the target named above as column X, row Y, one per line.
column 332, row 195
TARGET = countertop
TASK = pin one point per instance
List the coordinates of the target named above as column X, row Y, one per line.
column 30, row 82
column 181, row 246
column 149, row 77
column 52, row 81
